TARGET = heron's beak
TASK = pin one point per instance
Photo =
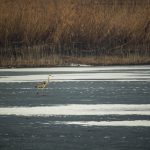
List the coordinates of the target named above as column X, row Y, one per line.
column 50, row 76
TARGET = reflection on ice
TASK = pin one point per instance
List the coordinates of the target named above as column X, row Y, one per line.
column 76, row 69
column 115, row 73
column 78, row 109
column 77, row 77
column 144, row 123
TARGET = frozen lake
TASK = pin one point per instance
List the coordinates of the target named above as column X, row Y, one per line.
column 88, row 108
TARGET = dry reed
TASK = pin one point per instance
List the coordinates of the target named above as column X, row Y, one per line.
column 118, row 27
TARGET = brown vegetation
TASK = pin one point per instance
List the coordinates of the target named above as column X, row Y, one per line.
column 56, row 60
column 32, row 30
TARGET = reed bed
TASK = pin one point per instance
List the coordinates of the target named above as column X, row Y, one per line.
column 116, row 28
column 67, row 61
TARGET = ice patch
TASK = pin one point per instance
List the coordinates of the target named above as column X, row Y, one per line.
column 61, row 74
column 76, row 69
column 77, row 77
column 78, row 109
column 135, row 123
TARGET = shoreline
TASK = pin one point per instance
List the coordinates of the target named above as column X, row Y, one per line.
column 68, row 61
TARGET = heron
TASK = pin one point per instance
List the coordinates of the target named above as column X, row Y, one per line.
column 42, row 85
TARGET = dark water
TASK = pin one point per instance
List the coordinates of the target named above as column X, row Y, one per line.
column 44, row 133
column 30, row 133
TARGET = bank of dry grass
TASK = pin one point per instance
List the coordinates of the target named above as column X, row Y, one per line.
column 109, row 60
column 67, row 61
column 108, row 26
column 96, row 21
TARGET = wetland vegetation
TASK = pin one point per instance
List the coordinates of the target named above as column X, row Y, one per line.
column 61, row 32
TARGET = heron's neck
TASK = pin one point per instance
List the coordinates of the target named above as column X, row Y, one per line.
column 48, row 79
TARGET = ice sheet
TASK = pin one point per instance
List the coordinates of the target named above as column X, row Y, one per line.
column 78, row 109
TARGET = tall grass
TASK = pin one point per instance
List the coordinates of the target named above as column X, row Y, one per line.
column 113, row 27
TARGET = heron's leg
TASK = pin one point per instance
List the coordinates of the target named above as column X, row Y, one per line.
column 38, row 91
column 42, row 91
